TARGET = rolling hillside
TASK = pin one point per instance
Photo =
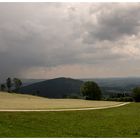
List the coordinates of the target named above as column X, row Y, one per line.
column 13, row 101
column 54, row 88
column 66, row 86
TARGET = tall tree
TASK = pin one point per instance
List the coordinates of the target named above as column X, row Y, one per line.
column 91, row 90
column 17, row 84
column 3, row 87
column 136, row 94
column 9, row 84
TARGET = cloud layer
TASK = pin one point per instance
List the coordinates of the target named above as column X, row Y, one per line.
column 47, row 40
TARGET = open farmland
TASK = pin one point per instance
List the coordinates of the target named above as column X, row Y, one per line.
column 19, row 101
column 113, row 122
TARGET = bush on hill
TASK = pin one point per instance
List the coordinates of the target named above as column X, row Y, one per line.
column 121, row 99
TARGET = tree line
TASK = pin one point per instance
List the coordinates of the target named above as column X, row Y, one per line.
column 15, row 83
column 91, row 91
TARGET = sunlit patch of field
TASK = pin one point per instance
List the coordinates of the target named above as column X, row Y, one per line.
column 22, row 101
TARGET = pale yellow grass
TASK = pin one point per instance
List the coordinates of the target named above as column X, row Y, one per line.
column 20, row 101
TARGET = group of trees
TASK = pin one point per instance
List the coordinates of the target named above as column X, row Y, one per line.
column 136, row 94
column 90, row 90
column 15, row 82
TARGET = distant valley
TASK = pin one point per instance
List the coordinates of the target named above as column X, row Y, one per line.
column 66, row 87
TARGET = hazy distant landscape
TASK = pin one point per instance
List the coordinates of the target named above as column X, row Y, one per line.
column 63, row 86
column 129, row 82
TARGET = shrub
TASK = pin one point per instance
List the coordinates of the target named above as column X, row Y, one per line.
column 74, row 96
column 121, row 99
column 128, row 99
column 3, row 87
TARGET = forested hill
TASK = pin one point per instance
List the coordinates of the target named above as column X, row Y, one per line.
column 54, row 88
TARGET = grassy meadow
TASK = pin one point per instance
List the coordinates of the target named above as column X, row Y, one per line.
column 122, row 121
column 22, row 101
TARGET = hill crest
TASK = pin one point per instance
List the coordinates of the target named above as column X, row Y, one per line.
column 54, row 88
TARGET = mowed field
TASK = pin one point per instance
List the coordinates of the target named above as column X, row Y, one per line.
column 9, row 101
column 117, row 122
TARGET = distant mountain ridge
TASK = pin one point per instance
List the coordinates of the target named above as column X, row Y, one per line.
column 54, row 88
column 26, row 82
column 64, row 87
column 124, row 82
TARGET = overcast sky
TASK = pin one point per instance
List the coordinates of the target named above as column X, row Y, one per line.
column 79, row 40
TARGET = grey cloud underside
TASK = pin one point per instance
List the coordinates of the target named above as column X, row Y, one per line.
column 54, row 34
column 114, row 24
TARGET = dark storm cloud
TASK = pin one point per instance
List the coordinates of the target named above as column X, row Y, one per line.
column 114, row 22
column 32, row 36
column 58, row 34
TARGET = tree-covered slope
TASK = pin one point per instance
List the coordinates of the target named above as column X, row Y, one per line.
column 54, row 88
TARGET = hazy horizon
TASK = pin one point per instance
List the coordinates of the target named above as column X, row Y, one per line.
column 77, row 40
column 131, row 77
